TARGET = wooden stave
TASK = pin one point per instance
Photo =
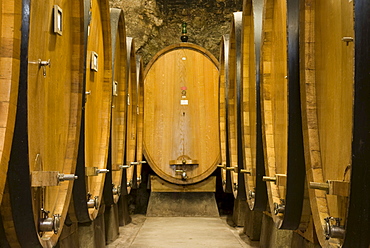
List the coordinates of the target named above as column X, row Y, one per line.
column 94, row 184
column 223, row 80
column 131, row 113
column 234, row 107
column 147, row 155
column 251, row 113
column 292, row 162
column 139, row 121
column 113, row 180
column 10, row 63
column 354, row 95
column 21, row 206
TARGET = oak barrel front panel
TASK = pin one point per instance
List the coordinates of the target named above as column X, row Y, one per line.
column 181, row 133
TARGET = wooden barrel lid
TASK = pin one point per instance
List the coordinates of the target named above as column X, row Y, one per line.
column 94, row 142
column 234, row 106
column 44, row 150
column 281, row 114
column 139, row 120
column 10, row 33
column 181, row 134
column 335, row 145
column 222, row 101
column 131, row 112
column 254, row 168
column 116, row 155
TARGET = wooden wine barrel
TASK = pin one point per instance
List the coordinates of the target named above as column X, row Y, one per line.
column 181, row 134
column 139, row 120
column 116, row 154
column 223, row 81
column 44, row 150
column 131, row 112
column 235, row 106
column 335, row 103
column 254, row 168
column 281, row 113
column 96, row 115
column 10, row 33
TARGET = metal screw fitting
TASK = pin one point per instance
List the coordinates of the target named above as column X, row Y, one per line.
column 66, row 177
column 116, row 190
column 101, row 171
column 251, row 194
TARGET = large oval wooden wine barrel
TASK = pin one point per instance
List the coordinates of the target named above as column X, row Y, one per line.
column 223, row 81
column 131, row 112
column 139, row 119
column 181, row 134
column 116, row 155
column 44, row 150
column 95, row 131
column 254, row 167
column 234, row 94
column 336, row 124
column 10, row 33
column 281, row 114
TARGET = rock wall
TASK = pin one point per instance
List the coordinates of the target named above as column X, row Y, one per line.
column 156, row 24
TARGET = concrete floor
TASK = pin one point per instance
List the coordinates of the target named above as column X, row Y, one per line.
column 178, row 232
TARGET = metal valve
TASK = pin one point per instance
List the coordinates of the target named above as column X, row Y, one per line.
column 334, row 230
column 251, row 194
column 66, row 177
column 235, row 187
column 93, row 203
column 125, row 166
column 129, row 184
column 269, row 179
column 116, row 190
column 246, row 171
column 43, row 64
column 138, row 179
column 184, row 175
column 279, row 208
column 47, row 224
column 101, row 171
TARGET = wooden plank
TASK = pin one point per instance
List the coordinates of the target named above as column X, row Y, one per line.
column 160, row 185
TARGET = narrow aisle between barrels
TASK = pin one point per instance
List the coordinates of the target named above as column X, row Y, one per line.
column 180, row 232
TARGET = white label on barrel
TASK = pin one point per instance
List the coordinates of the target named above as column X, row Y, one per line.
column 184, row 102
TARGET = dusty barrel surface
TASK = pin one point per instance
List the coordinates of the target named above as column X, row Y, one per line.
column 335, row 103
column 10, row 19
column 281, row 113
column 139, row 120
column 44, row 151
column 181, row 134
column 116, row 155
column 223, row 81
column 96, row 116
column 132, row 100
column 254, row 169
column 234, row 115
